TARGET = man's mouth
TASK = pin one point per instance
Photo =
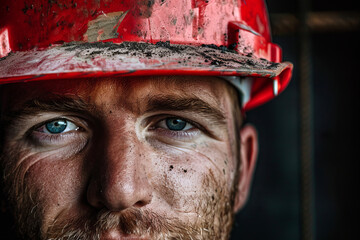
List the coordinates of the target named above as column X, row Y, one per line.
column 117, row 235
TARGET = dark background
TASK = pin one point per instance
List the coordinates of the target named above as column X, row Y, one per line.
column 274, row 207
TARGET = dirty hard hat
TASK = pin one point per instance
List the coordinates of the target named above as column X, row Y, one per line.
column 52, row 39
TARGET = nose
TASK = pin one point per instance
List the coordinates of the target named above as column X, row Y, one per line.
column 119, row 179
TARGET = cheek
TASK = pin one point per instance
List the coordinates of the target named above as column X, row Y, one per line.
column 57, row 179
column 50, row 181
column 182, row 174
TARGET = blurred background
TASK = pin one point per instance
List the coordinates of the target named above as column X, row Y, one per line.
column 307, row 178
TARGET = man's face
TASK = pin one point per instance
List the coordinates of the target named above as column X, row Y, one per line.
column 133, row 158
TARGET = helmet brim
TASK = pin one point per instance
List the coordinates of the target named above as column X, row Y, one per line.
column 79, row 60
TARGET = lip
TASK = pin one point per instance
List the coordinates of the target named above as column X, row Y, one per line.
column 117, row 235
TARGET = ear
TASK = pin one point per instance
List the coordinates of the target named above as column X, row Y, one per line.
column 248, row 155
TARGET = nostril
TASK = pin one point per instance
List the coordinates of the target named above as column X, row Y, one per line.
column 93, row 195
column 117, row 197
column 145, row 200
column 140, row 204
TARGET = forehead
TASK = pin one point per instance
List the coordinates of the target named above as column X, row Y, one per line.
column 127, row 90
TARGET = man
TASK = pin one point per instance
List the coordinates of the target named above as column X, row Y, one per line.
column 136, row 130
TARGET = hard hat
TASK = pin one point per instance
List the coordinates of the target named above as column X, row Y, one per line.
column 55, row 39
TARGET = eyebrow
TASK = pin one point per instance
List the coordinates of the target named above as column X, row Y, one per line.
column 55, row 103
column 59, row 103
column 188, row 104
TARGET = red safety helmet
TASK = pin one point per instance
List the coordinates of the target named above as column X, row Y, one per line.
column 52, row 39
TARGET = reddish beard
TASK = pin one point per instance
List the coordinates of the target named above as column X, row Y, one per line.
column 134, row 222
column 214, row 207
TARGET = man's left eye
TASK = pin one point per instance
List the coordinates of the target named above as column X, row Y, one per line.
column 58, row 126
column 175, row 124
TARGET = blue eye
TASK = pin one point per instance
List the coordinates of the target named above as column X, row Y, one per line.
column 58, row 126
column 175, row 124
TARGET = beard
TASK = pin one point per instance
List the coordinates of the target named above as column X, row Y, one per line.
column 214, row 208
column 132, row 221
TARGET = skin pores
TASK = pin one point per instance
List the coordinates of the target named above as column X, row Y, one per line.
column 132, row 158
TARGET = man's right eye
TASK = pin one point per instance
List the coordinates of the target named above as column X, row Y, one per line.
column 58, row 132
column 58, row 126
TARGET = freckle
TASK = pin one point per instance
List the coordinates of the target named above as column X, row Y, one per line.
column 171, row 167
